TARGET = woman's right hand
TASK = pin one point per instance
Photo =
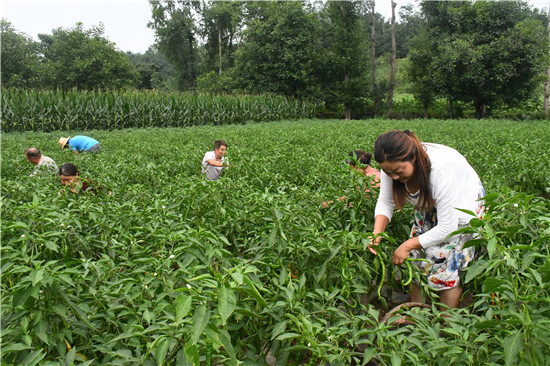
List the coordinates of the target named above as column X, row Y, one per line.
column 374, row 240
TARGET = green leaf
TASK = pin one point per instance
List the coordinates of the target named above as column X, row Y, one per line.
column 524, row 221
column 16, row 347
column 227, row 303
column 20, row 297
column 492, row 284
column 200, row 320
column 287, row 336
column 183, row 305
column 70, row 357
column 147, row 316
column 40, row 331
column 66, row 278
column 60, row 310
column 475, row 269
column 123, row 353
column 225, row 339
column 160, row 350
column 24, row 324
column 490, row 197
column 469, row 212
column 475, row 222
column 537, row 277
column 125, row 335
column 238, row 277
column 36, row 276
column 254, row 291
column 512, row 345
column 492, row 247
column 51, row 245
column 521, row 247
column 278, row 329
column 192, row 353
column 473, row 243
column 368, row 355
column 34, row 358
column 395, row 359
column 75, row 308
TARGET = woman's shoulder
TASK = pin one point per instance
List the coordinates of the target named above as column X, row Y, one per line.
column 439, row 149
column 442, row 156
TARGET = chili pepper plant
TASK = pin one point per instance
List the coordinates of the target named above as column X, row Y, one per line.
column 162, row 267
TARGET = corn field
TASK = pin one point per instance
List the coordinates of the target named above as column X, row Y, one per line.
column 32, row 110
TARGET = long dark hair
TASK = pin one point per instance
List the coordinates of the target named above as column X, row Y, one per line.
column 405, row 146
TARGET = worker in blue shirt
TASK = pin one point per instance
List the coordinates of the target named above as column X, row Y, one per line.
column 80, row 143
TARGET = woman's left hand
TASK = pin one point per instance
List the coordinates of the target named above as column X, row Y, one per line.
column 400, row 254
column 404, row 250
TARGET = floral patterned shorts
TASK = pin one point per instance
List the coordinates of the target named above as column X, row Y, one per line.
column 447, row 259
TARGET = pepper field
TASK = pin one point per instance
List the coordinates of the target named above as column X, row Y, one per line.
column 169, row 269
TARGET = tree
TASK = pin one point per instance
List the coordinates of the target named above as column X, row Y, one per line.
column 410, row 24
column 83, row 59
column 155, row 72
column 220, row 24
column 373, row 56
column 547, row 81
column 419, row 70
column 481, row 52
column 19, row 67
column 175, row 32
column 346, row 55
column 393, row 55
column 281, row 51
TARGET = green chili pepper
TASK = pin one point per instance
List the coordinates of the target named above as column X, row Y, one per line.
column 406, row 283
column 383, row 276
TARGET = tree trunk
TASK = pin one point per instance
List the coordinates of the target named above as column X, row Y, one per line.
column 220, row 48
column 373, row 59
column 348, row 106
column 230, row 50
column 346, row 71
column 426, row 110
column 479, row 110
column 392, row 62
column 547, row 83
column 451, row 109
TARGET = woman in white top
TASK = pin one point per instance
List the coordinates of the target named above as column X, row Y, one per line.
column 437, row 180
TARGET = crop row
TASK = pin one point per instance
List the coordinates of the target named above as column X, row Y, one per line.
column 32, row 110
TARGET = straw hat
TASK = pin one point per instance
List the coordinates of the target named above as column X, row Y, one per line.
column 63, row 141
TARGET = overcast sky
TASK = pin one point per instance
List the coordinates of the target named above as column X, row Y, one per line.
column 125, row 21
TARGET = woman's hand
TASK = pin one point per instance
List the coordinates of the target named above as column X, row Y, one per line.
column 404, row 250
column 374, row 240
column 400, row 254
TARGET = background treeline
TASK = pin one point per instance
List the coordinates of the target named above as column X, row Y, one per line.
column 454, row 59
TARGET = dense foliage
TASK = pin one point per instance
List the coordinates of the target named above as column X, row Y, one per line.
column 56, row 110
column 170, row 269
column 480, row 52
column 66, row 59
column 282, row 53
